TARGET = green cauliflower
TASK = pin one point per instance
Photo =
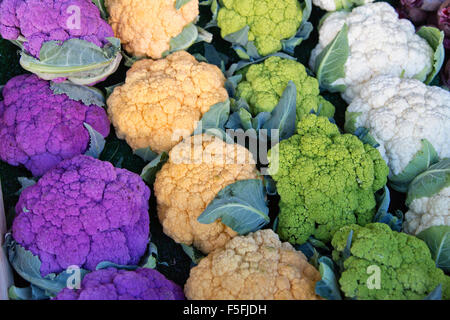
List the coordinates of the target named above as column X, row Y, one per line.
column 269, row 21
column 263, row 84
column 404, row 262
column 325, row 180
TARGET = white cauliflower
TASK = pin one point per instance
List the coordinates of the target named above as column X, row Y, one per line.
column 426, row 212
column 333, row 5
column 379, row 43
column 429, row 199
column 401, row 114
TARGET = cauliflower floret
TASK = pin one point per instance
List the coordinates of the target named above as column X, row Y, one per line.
column 333, row 5
column 145, row 27
column 197, row 169
column 269, row 21
column 399, row 113
column 427, row 212
column 379, row 42
column 39, row 128
column 162, row 100
column 257, row 266
column 83, row 212
column 113, row 284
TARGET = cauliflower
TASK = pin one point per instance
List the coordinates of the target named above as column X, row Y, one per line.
column 404, row 262
column 197, row 169
column 253, row 267
column 400, row 114
column 113, row 284
column 145, row 27
column 426, row 212
column 69, row 35
column 161, row 101
column 264, row 83
column 83, row 212
column 39, row 128
column 269, row 21
column 325, row 179
column 334, row 5
column 379, row 43
column 429, row 199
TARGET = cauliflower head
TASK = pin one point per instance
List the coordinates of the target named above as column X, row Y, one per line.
column 197, row 169
column 41, row 21
column 162, row 100
column 253, row 267
column 399, row 114
column 406, row 268
column 83, row 212
column 113, row 284
column 379, row 44
column 334, row 5
column 264, row 83
column 325, row 179
column 269, row 21
column 145, row 27
column 426, row 212
column 39, row 128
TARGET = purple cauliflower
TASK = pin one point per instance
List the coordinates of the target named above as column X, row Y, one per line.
column 83, row 212
column 40, row 21
column 113, row 284
column 39, row 128
column 443, row 18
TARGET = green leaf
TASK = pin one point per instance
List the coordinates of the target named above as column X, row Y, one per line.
column 28, row 267
column 283, row 116
column 96, row 143
column 364, row 135
column 241, row 206
column 424, row 158
column 150, row 170
column 239, row 37
column 180, row 3
column 192, row 253
column 327, row 287
column 152, row 259
column 350, row 121
column 80, row 61
column 215, row 118
column 435, row 39
column 330, row 63
column 438, row 240
column 436, row 294
column 109, row 90
column 102, row 7
column 146, row 154
column 109, row 264
column 430, row 182
column 383, row 216
column 184, row 40
column 28, row 293
column 87, row 95
column 25, row 183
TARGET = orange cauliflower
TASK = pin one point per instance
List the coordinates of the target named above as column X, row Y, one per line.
column 197, row 169
column 253, row 267
column 145, row 27
column 162, row 100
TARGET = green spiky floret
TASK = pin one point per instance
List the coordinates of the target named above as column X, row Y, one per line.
column 269, row 21
column 263, row 84
column 406, row 268
column 325, row 180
